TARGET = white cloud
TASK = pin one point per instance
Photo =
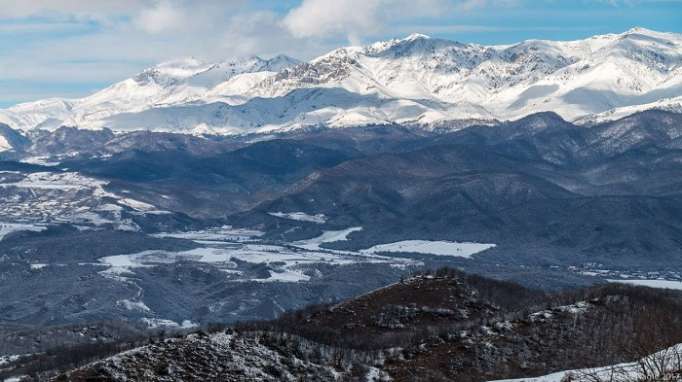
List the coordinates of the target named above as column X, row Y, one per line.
column 322, row 17
column 354, row 18
column 357, row 18
column 160, row 17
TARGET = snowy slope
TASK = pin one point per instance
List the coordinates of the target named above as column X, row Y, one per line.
column 10, row 139
column 416, row 80
column 660, row 366
column 4, row 144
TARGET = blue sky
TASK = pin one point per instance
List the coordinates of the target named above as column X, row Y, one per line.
column 70, row 48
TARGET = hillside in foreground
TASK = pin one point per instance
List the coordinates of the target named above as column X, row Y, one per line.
column 442, row 326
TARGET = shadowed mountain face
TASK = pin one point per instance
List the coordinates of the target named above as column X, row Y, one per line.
column 599, row 193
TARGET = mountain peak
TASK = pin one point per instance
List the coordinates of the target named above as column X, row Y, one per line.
column 416, row 36
column 640, row 30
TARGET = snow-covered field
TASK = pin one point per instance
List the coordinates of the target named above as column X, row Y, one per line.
column 439, row 248
column 285, row 263
column 326, row 237
column 661, row 284
column 226, row 244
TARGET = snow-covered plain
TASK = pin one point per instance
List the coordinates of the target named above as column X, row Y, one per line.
column 285, row 263
column 439, row 248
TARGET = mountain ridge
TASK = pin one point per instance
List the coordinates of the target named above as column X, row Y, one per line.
column 417, row 80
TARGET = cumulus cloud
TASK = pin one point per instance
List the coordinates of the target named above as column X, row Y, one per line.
column 356, row 18
column 160, row 17
column 353, row 18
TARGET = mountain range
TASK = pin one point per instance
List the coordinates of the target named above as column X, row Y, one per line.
column 418, row 80
column 196, row 194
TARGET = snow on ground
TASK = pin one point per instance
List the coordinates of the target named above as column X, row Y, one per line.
column 300, row 216
column 154, row 323
column 439, row 248
column 15, row 379
column 59, row 181
column 66, row 197
column 5, row 359
column 141, row 206
column 4, row 144
column 376, row 375
column 7, row 228
column 661, row 284
column 225, row 247
column 286, row 275
column 44, row 160
column 326, row 237
column 577, row 308
column 133, row 305
column 286, row 263
column 667, row 360
column 224, row 233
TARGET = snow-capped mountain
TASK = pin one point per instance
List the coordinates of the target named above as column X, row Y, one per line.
column 416, row 80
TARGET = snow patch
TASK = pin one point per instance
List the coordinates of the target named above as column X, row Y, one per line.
column 133, row 305
column 285, row 263
column 667, row 360
column 326, row 237
column 7, row 228
column 4, row 144
column 660, row 284
column 141, row 206
column 300, row 216
column 155, row 323
column 224, row 233
column 438, row 248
